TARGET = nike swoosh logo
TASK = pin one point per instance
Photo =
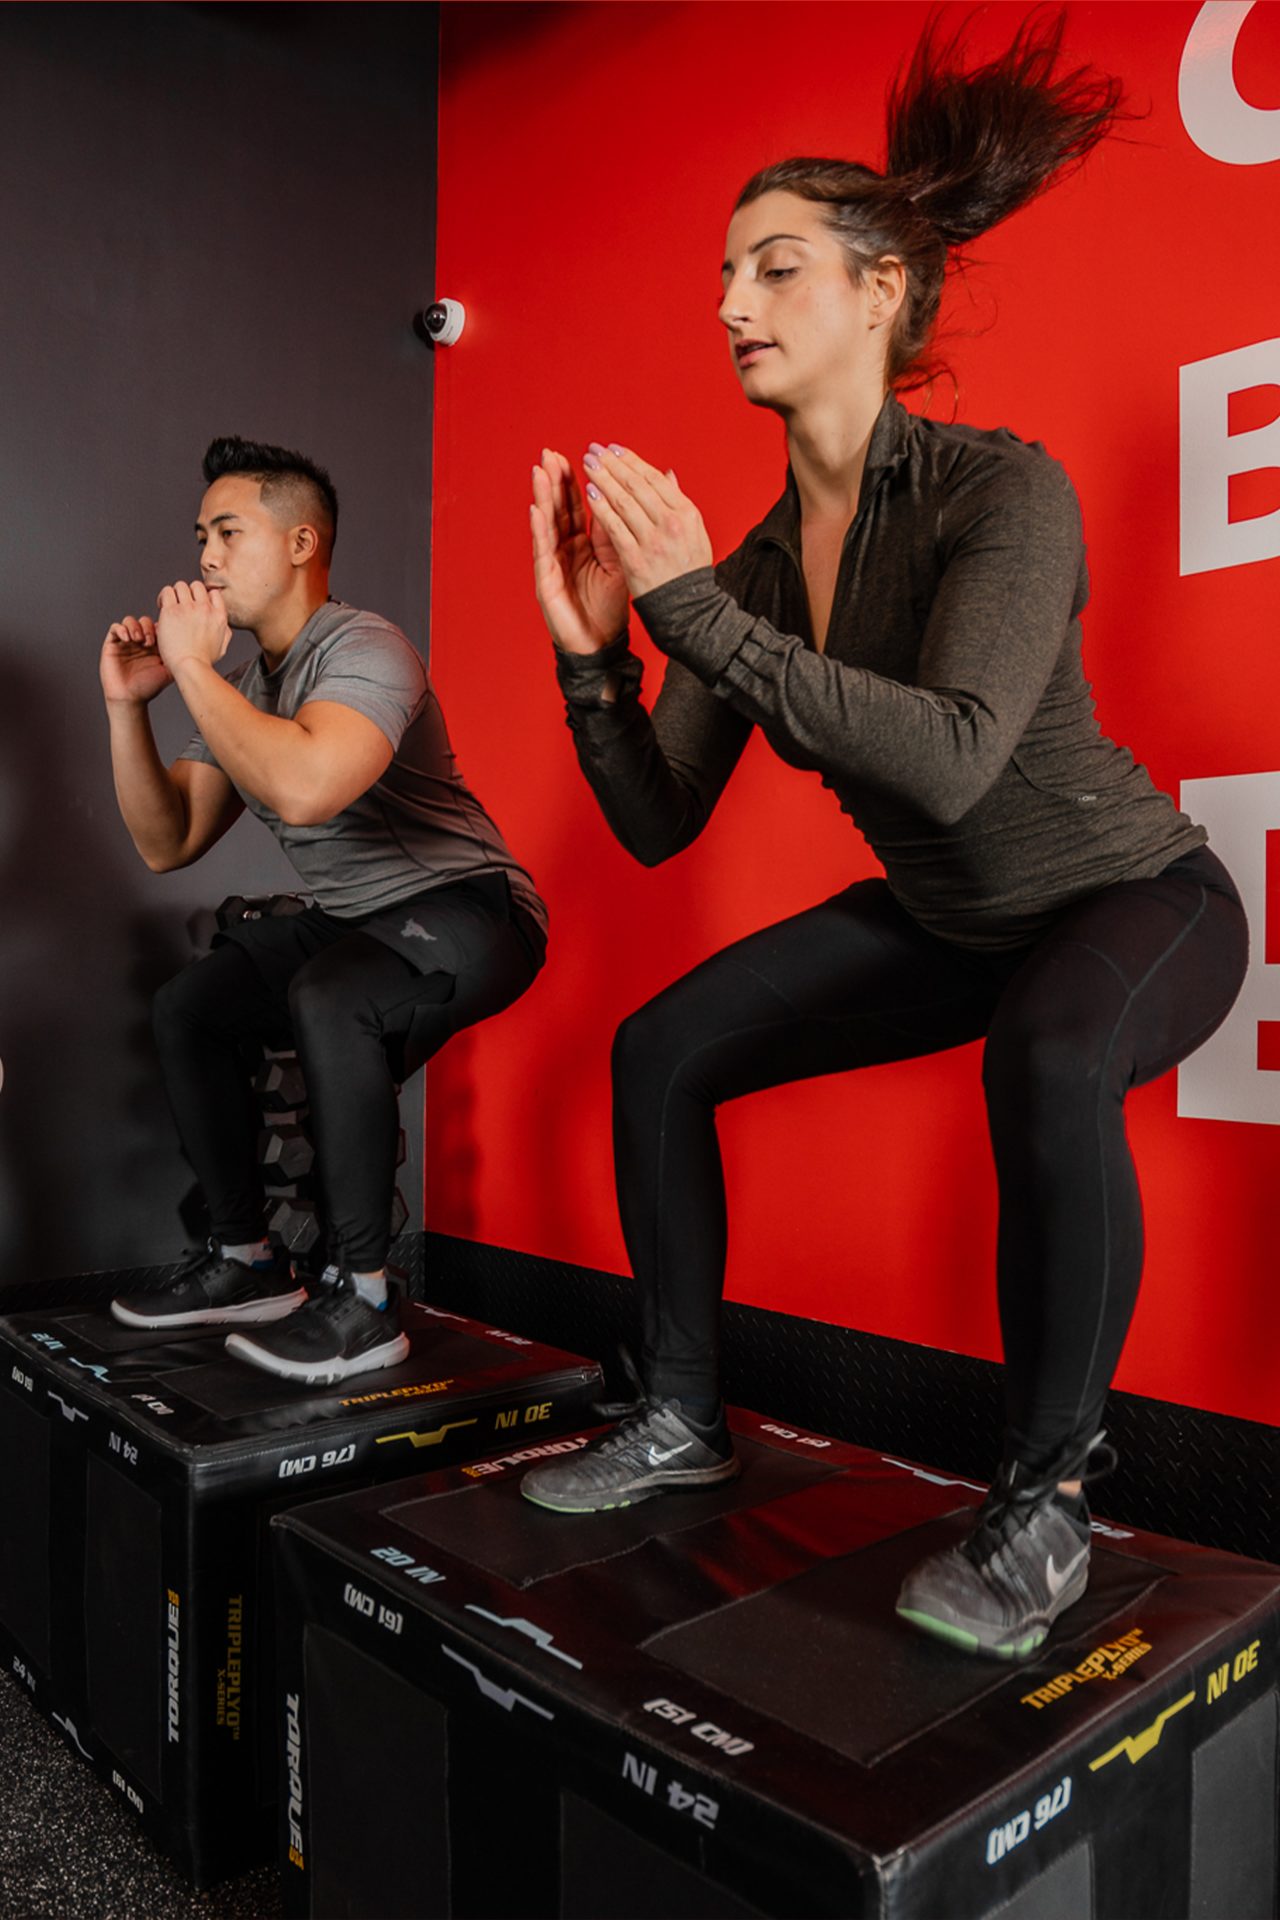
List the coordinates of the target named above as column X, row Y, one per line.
column 657, row 1455
column 1056, row 1581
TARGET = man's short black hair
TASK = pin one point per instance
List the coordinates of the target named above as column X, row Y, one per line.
column 303, row 490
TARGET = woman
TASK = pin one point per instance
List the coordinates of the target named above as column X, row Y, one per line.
column 905, row 620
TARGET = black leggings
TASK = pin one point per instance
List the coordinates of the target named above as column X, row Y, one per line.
column 1119, row 989
column 362, row 1018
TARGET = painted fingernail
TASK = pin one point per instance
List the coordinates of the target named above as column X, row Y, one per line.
column 615, row 448
column 593, row 493
column 590, row 461
column 596, row 446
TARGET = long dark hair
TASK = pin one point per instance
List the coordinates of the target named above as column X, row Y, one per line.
column 966, row 148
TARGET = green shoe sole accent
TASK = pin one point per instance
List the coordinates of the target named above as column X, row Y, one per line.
column 941, row 1630
column 604, row 1506
column 960, row 1637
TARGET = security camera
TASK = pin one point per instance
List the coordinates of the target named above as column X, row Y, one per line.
column 441, row 324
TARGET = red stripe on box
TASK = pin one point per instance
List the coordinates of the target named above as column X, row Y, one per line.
column 1269, row 1046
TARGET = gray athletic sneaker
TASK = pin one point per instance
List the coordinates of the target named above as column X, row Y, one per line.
column 1025, row 1562
column 653, row 1449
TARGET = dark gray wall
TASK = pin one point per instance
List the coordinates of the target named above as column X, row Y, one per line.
column 213, row 219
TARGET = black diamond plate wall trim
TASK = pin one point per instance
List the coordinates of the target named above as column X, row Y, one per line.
column 1199, row 1476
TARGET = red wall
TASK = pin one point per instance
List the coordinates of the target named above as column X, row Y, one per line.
column 589, row 156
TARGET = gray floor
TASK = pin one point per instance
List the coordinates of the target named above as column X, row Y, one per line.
column 69, row 1850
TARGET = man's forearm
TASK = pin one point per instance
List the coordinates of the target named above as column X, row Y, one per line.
column 150, row 805
column 264, row 756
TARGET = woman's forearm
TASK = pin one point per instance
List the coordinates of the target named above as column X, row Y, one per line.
column 657, row 778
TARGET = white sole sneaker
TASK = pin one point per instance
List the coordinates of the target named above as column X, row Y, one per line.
column 276, row 1306
column 319, row 1373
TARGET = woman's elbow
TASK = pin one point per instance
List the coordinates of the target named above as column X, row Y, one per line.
column 654, row 848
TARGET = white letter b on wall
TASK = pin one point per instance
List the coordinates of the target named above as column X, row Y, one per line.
column 1211, row 456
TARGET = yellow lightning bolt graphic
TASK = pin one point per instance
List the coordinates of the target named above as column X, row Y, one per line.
column 431, row 1439
column 1139, row 1745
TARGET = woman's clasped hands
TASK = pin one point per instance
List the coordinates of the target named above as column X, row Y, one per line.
column 643, row 532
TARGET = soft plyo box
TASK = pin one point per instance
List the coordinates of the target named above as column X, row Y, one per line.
column 137, row 1475
column 705, row 1705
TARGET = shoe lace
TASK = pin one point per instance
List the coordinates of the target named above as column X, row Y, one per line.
column 626, row 1409
column 336, row 1300
column 632, row 1415
column 196, row 1258
column 1016, row 1493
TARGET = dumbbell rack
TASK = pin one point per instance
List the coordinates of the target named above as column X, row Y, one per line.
column 286, row 1152
column 286, row 1155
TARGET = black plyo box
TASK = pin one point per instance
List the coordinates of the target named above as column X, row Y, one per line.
column 705, row 1706
column 137, row 1475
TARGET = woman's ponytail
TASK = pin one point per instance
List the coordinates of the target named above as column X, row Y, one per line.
column 969, row 148
column 966, row 148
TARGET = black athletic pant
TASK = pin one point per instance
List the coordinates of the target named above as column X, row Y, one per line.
column 1120, row 988
column 362, row 1017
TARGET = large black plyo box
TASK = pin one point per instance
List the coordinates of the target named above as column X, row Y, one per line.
column 137, row 1475
column 705, row 1706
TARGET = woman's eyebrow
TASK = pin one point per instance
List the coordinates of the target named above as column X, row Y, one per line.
column 767, row 242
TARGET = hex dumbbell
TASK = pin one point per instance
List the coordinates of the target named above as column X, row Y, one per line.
column 279, row 1084
column 285, row 1155
column 294, row 1224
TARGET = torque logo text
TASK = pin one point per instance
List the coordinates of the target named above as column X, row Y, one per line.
column 173, row 1664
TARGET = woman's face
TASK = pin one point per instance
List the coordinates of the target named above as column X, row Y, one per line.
column 801, row 328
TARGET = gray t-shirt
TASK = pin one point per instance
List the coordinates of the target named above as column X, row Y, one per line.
column 417, row 827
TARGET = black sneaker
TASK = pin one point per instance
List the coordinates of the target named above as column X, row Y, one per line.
column 655, row 1448
column 1025, row 1562
column 209, row 1290
column 336, row 1334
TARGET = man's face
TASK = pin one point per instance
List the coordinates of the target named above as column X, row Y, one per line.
column 244, row 549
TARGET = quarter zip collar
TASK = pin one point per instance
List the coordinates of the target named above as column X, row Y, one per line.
column 889, row 444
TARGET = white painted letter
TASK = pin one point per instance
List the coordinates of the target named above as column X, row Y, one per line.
column 1221, row 123
column 1223, row 1080
column 1209, row 455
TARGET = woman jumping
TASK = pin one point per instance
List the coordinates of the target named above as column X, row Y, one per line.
column 904, row 621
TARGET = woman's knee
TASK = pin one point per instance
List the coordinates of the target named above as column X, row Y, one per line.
column 659, row 1048
column 630, row 1048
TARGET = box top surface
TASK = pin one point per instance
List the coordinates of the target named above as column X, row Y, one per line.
column 763, row 1611
column 188, row 1395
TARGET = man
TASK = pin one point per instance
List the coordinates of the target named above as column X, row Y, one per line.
column 423, row 922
